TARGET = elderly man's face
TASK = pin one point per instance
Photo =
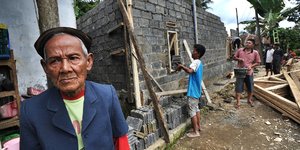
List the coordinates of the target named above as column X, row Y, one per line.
column 66, row 64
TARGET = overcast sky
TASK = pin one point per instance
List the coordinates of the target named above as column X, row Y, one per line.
column 225, row 9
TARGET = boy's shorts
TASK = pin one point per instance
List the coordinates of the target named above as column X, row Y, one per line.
column 239, row 84
column 193, row 106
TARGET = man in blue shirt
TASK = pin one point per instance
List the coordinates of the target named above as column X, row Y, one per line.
column 195, row 71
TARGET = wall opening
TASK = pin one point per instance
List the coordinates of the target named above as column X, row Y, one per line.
column 173, row 51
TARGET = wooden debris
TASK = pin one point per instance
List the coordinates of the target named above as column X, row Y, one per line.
column 275, row 91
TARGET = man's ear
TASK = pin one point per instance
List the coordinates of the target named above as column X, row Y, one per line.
column 43, row 63
column 90, row 61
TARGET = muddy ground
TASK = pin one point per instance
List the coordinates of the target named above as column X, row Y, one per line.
column 248, row 128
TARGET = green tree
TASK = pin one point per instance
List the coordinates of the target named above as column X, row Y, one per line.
column 83, row 6
column 202, row 3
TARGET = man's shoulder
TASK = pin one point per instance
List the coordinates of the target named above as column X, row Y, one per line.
column 98, row 86
column 255, row 51
column 42, row 97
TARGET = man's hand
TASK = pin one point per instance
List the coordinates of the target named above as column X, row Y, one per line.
column 249, row 67
column 240, row 60
column 179, row 67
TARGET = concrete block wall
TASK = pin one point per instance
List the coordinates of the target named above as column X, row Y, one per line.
column 106, row 68
column 150, row 17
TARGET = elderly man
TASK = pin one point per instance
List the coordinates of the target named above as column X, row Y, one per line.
column 75, row 113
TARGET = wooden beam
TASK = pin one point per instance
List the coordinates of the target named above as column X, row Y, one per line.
column 118, row 52
column 294, row 89
column 267, row 78
column 115, row 28
column 159, row 94
column 282, row 110
column 276, row 87
column 276, row 79
column 135, row 72
column 272, row 96
column 296, row 79
column 152, row 94
column 156, row 83
column 187, row 48
column 272, row 82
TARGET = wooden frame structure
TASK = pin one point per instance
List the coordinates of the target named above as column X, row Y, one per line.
column 282, row 92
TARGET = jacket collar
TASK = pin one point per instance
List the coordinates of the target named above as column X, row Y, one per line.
column 61, row 118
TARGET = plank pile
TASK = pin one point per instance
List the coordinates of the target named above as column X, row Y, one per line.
column 282, row 92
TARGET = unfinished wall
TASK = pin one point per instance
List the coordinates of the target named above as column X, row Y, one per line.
column 97, row 23
column 153, row 19
column 150, row 20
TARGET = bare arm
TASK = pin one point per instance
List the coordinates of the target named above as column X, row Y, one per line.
column 186, row 69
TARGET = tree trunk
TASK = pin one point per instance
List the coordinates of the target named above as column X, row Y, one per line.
column 259, row 36
column 48, row 14
column 48, row 18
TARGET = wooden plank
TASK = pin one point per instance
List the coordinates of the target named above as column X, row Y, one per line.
column 187, row 48
column 9, row 123
column 152, row 94
column 135, row 72
column 159, row 94
column 282, row 110
column 276, row 87
column 115, row 27
column 275, row 97
column 267, row 78
column 118, row 52
column 294, row 89
column 296, row 79
column 156, row 83
column 272, row 82
column 276, row 79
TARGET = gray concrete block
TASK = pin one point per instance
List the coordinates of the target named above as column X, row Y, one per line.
column 135, row 123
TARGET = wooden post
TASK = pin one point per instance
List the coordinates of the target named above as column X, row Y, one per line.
column 153, row 96
column 135, row 72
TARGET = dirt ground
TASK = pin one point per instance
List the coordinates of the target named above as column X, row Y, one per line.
column 248, row 128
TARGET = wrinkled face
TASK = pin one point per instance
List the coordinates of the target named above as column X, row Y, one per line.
column 249, row 44
column 195, row 54
column 66, row 64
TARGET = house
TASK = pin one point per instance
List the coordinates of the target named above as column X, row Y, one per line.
column 161, row 28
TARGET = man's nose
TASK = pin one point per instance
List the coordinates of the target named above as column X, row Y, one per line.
column 65, row 65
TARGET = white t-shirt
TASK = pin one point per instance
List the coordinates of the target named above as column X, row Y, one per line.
column 269, row 57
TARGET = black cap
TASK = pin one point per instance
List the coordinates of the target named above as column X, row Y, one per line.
column 45, row 36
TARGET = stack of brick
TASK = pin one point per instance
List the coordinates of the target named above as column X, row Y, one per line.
column 175, row 112
column 144, row 126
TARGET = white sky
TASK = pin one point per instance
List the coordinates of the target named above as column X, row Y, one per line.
column 225, row 9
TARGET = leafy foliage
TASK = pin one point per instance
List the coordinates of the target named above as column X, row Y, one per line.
column 289, row 38
column 202, row 3
column 83, row 6
column 270, row 13
column 295, row 15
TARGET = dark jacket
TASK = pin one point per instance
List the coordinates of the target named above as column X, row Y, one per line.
column 45, row 123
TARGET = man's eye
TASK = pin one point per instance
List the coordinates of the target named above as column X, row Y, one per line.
column 54, row 60
column 74, row 58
